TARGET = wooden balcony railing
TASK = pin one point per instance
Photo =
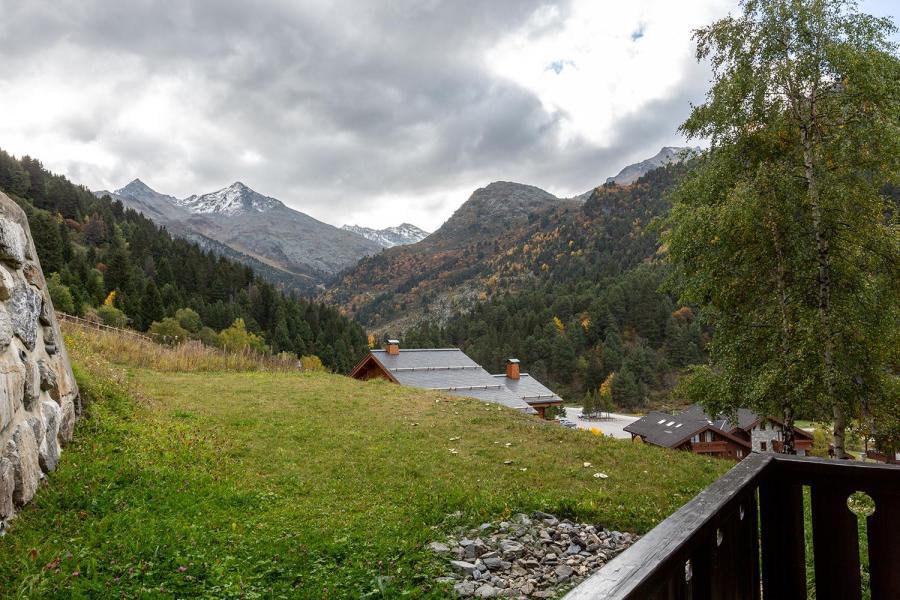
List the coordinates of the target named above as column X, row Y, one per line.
column 743, row 538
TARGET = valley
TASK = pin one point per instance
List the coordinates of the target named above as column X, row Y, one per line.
column 270, row 483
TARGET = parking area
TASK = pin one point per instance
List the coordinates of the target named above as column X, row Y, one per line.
column 613, row 426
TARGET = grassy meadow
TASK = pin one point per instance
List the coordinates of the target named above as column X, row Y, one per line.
column 246, row 484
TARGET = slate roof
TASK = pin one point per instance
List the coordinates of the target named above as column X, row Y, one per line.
column 529, row 389
column 666, row 430
column 448, row 370
column 745, row 418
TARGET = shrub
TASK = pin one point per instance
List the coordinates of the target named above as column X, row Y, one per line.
column 311, row 362
column 60, row 295
column 189, row 319
column 237, row 339
column 209, row 337
column 112, row 316
column 168, row 331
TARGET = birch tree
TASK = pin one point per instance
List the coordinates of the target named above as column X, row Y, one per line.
column 784, row 234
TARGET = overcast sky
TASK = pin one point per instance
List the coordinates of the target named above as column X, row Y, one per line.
column 360, row 112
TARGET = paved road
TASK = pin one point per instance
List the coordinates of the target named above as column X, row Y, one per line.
column 612, row 426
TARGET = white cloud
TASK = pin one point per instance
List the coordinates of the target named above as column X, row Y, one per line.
column 351, row 112
column 604, row 62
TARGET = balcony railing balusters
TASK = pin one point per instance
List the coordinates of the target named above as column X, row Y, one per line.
column 654, row 567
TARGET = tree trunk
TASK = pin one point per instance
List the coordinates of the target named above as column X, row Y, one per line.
column 823, row 260
column 787, row 436
column 787, row 401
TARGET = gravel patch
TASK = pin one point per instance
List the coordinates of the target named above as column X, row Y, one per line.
column 537, row 556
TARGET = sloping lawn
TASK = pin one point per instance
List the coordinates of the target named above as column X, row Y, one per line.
column 281, row 485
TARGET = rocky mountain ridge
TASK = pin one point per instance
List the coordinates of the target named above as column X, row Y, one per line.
column 667, row 155
column 401, row 235
column 296, row 250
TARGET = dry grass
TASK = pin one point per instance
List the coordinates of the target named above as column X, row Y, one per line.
column 188, row 357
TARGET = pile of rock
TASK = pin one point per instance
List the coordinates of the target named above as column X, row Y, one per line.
column 39, row 400
column 527, row 557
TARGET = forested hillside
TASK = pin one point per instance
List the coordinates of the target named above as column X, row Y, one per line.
column 115, row 264
column 579, row 301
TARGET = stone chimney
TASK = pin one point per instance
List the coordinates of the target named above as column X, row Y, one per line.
column 393, row 347
column 512, row 368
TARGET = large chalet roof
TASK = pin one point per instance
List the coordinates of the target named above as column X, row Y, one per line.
column 448, row 370
column 746, row 420
column 529, row 389
column 666, row 430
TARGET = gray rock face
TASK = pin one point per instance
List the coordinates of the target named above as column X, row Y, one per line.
column 25, row 308
column 6, row 330
column 464, row 589
column 12, row 389
column 48, row 379
column 7, row 487
column 39, row 400
column 13, row 242
column 66, row 421
column 37, row 428
column 6, row 285
column 22, row 452
column 31, row 385
column 49, row 450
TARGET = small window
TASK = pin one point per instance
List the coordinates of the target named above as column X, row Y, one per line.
column 695, row 438
column 661, row 421
column 709, row 436
column 740, row 453
column 679, row 425
column 762, row 446
column 670, row 423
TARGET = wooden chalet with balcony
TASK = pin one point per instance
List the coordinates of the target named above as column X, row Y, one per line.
column 721, row 437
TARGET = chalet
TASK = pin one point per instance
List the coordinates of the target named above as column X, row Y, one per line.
column 688, row 432
column 694, row 430
column 451, row 370
column 765, row 434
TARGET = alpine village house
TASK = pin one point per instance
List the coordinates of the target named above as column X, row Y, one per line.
column 451, row 370
column 694, row 430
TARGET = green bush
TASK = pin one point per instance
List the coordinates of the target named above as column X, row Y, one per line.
column 168, row 331
column 60, row 295
column 112, row 316
column 189, row 319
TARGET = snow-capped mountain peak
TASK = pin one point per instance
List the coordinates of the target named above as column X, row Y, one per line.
column 236, row 199
column 401, row 235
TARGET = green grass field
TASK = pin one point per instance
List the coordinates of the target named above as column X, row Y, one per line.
column 286, row 485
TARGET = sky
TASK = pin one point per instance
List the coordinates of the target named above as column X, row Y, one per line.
column 370, row 113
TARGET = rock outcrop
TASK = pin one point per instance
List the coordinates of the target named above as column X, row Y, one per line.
column 39, row 400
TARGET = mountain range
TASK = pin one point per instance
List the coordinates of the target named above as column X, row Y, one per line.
column 281, row 243
column 505, row 234
column 371, row 265
column 389, row 237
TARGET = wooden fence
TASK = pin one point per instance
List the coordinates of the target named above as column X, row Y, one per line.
column 85, row 323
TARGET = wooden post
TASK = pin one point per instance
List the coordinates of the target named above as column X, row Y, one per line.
column 835, row 544
column 884, row 545
column 783, row 551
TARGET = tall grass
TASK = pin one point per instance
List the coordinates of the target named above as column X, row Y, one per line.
column 187, row 357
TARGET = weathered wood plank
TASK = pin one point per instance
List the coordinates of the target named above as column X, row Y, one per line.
column 883, row 528
column 835, row 544
column 782, row 538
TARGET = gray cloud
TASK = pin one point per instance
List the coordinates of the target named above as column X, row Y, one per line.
column 324, row 105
